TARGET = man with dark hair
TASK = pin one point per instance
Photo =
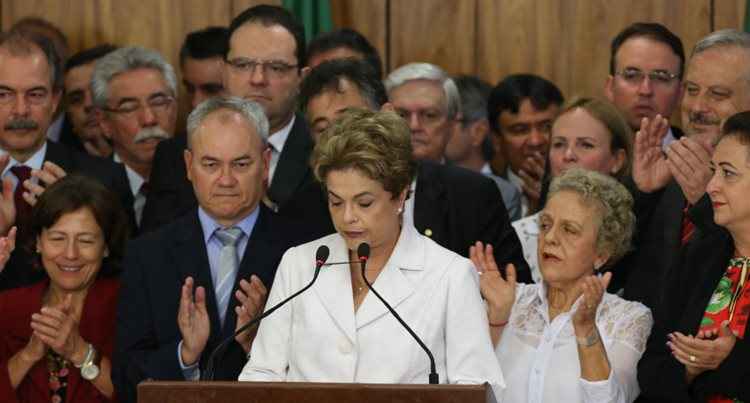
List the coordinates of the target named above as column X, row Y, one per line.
column 343, row 43
column 82, row 124
column 470, row 145
column 265, row 62
column 645, row 74
column 521, row 109
column 201, row 63
column 453, row 206
column 30, row 90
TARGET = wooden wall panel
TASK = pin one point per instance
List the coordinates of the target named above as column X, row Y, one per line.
column 440, row 32
column 238, row 6
column 367, row 17
column 568, row 42
column 729, row 14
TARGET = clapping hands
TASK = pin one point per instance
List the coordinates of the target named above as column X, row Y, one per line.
column 499, row 293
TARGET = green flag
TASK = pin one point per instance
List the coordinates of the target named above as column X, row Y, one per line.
column 314, row 14
column 747, row 16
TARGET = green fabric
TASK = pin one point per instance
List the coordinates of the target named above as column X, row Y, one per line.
column 314, row 14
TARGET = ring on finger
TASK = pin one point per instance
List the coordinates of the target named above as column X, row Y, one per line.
column 692, row 358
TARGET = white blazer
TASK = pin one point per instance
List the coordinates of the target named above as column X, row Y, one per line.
column 318, row 337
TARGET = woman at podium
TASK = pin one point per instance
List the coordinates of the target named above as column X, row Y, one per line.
column 338, row 330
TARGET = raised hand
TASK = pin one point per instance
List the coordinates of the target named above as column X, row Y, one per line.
column 650, row 168
column 57, row 327
column 689, row 162
column 193, row 321
column 532, row 174
column 7, row 245
column 7, row 203
column 704, row 352
column 499, row 293
column 252, row 299
column 593, row 287
column 49, row 174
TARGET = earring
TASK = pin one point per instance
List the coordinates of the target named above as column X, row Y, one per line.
column 400, row 210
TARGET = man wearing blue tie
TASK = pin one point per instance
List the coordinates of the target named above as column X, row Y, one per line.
column 190, row 284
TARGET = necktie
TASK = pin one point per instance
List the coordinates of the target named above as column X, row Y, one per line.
column 687, row 227
column 23, row 209
column 228, row 264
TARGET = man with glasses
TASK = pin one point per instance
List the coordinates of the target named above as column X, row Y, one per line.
column 672, row 197
column 134, row 92
column 30, row 90
column 265, row 62
column 645, row 74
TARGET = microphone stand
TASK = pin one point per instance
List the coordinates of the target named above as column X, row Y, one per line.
column 434, row 378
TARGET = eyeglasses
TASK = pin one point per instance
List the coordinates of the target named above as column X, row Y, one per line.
column 657, row 77
column 158, row 104
column 426, row 117
column 34, row 97
column 274, row 69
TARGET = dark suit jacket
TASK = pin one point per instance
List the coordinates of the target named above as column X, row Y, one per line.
column 155, row 267
column 459, row 207
column 657, row 245
column 110, row 174
column 171, row 194
column 662, row 378
column 97, row 327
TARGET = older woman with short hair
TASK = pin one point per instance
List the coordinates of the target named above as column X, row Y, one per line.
column 338, row 331
column 591, row 134
column 565, row 339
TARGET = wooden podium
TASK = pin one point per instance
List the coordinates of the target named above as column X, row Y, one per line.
column 301, row 392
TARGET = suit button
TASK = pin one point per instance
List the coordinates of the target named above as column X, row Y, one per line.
column 345, row 347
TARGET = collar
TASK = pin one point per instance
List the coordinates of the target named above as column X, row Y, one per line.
column 134, row 178
column 486, row 169
column 514, row 179
column 403, row 256
column 35, row 162
column 278, row 139
column 209, row 225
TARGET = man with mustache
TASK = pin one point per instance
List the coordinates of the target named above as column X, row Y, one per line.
column 134, row 91
column 671, row 185
column 30, row 90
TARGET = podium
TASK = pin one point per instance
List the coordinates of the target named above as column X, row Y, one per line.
column 301, row 392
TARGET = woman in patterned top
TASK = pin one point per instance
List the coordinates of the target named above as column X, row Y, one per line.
column 565, row 339
column 697, row 352
column 591, row 134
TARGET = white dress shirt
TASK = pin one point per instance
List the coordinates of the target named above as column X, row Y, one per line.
column 527, row 230
column 318, row 337
column 516, row 180
column 277, row 140
column 540, row 358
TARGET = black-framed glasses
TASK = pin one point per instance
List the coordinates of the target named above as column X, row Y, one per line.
column 274, row 69
column 636, row 76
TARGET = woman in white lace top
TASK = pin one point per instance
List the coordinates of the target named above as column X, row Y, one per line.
column 565, row 339
column 589, row 133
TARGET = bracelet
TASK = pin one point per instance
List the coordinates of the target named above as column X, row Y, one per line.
column 501, row 324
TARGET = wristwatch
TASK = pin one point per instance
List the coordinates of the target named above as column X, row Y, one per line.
column 90, row 365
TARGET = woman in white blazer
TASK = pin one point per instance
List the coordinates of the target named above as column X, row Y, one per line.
column 337, row 331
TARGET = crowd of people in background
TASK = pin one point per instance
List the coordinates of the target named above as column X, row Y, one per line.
column 578, row 250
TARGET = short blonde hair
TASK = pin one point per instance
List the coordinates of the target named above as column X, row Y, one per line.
column 378, row 144
column 616, row 221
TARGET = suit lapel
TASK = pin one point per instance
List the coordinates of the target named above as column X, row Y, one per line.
column 392, row 283
column 57, row 153
column 430, row 214
column 191, row 258
column 292, row 167
column 334, row 289
column 673, row 227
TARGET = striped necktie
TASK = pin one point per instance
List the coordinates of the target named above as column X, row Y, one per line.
column 228, row 264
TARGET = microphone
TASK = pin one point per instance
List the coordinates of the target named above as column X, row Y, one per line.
column 363, row 252
column 321, row 255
